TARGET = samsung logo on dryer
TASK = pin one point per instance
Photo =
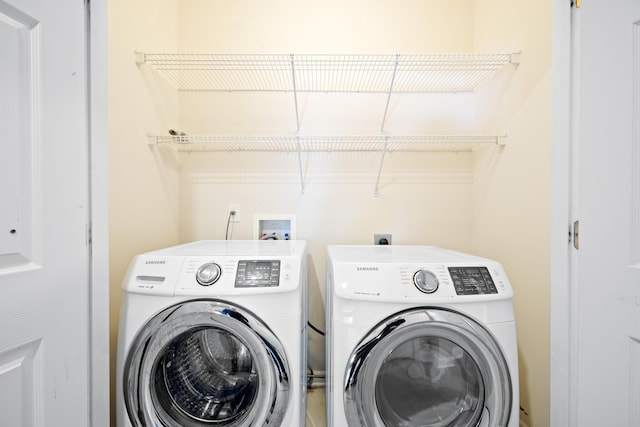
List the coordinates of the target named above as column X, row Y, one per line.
column 160, row 261
column 367, row 269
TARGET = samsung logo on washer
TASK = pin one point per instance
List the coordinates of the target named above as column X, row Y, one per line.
column 155, row 261
column 367, row 269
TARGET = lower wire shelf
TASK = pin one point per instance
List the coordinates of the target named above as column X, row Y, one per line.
column 368, row 143
column 382, row 144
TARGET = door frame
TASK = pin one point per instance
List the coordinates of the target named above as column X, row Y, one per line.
column 562, row 354
column 562, row 400
column 98, row 306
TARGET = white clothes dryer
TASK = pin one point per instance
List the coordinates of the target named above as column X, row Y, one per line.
column 419, row 336
column 213, row 333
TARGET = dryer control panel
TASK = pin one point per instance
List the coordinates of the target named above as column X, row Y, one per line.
column 257, row 273
column 472, row 280
column 424, row 282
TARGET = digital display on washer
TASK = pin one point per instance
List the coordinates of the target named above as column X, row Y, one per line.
column 472, row 281
column 257, row 273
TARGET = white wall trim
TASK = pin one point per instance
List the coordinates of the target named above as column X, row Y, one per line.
column 560, row 295
column 99, row 293
column 635, row 168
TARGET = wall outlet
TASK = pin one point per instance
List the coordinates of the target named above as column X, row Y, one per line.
column 382, row 239
column 234, row 207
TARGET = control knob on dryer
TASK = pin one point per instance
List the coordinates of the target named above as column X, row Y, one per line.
column 208, row 274
column 425, row 281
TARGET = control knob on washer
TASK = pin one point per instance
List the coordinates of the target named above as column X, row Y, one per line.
column 208, row 274
column 425, row 281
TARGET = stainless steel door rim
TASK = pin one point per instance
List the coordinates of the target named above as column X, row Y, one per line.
column 428, row 366
column 206, row 362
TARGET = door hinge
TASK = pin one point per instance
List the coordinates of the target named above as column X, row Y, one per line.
column 575, row 3
column 574, row 234
column 88, row 234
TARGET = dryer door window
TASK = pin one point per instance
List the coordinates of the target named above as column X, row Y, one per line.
column 428, row 366
column 207, row 375
column 205, row 363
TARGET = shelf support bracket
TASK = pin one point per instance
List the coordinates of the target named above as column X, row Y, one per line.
column 300, row 163
column 295, row 92
column 389, row 93
column 384, row 120
column 140, row 57
column 384, row 151
column 295, row 102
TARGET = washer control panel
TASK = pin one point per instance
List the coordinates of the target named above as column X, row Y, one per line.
column 472, row 281
column 258, row 273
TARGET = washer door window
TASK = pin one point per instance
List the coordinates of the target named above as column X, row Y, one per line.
column 428, row 367
column 206, row 363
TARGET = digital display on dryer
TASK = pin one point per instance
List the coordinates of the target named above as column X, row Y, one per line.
column 472, row 281
column 257, row 273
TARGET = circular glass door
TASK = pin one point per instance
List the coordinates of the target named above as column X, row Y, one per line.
column 206, row 363
column 428, row 367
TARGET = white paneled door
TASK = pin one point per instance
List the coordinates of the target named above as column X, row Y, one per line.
column 605, row 361
column 44, row 214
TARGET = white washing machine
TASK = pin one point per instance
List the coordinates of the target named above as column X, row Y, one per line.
column 419, row 336
column 214, row 333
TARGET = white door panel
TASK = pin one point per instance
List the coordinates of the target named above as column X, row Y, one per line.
column 17, row 163
column 606, row 280
column 44, row 214
column 19, row 385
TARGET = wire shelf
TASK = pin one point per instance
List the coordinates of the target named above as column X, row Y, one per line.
column 380, row 143
column 417, row 73
column 388, row 74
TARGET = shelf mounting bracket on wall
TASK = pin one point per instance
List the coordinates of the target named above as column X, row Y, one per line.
column 295, row 102
column 384, row 120
column 389, row 93
column 384, row 152
column 300, row 163
column 295, row 92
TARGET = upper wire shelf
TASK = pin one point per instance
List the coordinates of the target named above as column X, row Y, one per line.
column 381, row 73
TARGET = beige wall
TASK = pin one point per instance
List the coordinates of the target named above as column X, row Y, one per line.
column 143, row 188
column 461, row 201
column 512, row 191
column 331, row 26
